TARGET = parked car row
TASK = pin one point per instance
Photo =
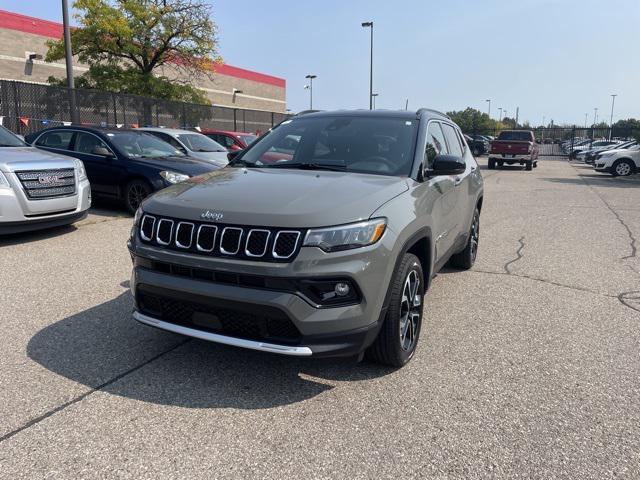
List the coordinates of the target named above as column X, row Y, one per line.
column 49, row 177
column 619, row 162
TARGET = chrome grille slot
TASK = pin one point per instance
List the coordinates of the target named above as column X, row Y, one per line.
column 146, row 227
column 42, row 184
column 206, row 239
column 285, row 244
column 184, row 235
column 257, row 241
column 230, row 240
column 165, row 229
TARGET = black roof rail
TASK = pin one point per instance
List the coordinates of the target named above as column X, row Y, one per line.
column 423, row 110
column 304, row 112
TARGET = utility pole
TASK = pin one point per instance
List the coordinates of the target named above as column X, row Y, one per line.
column 489, row 109
column 500, row 114
column 370, row 25
column 517, row 113
column 68, row 54
column 406, row 104
column 585, row 119
column 595, row 116
column 613, row 101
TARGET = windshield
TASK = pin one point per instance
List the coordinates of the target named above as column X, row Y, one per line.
column 142, row 145
column 515, row 136
column 200, row 143
column 8, row 139
column 248, row 139
column 362, row 144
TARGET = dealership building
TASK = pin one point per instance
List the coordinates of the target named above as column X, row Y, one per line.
column 22, row 49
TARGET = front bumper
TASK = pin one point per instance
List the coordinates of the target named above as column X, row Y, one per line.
column 327, row 331
column 17, row 213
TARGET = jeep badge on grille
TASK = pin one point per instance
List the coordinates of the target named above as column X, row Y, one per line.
column 209, row 215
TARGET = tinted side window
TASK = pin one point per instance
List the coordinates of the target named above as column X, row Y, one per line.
column 435, row 144
column 452, row 140
column 85, row 143
column 57, row 139
column 169, row 139
column 227, row 141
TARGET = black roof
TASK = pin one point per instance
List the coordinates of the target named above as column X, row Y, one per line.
column 408, row 114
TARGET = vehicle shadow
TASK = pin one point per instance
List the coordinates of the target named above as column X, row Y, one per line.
column 599, row 180
column 35, row 235
column 102, row 347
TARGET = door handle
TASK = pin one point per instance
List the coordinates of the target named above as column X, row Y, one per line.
column 457, row 181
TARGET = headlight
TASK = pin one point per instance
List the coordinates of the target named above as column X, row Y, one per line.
column 345, row 237
column 137, row 216
column 82, row 173
column 4, row 183
column 173, row 177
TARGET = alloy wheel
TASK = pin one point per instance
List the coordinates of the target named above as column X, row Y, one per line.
column 623, row 169
column 475, row 237
column 137, row 193
column 410, row 311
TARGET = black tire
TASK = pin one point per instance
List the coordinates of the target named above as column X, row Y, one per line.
column 134, row 193
column 528, row 166
column 467, row 257
column 390, row 347
column 535, row 164
column 492, row 164
column 476, row 152
column 623, row 168
column 500, row 164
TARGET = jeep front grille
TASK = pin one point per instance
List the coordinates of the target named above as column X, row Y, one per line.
column 44, row 184
column 254, row 243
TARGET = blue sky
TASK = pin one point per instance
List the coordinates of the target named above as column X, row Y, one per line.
column 557, row 58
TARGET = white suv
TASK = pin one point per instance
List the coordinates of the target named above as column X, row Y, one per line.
column 39, row 189
column 618, row 162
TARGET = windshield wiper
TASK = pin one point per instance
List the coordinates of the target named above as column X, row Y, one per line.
column 310, row 166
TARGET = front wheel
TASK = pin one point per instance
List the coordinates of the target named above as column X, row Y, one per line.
column 398, row 337
column 622, row 168
column 135, row 192
column 476, row 152
column 529, row 165
column 492, row 164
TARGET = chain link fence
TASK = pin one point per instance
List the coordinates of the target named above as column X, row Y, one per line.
column 29, row 107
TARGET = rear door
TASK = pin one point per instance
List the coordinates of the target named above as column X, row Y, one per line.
column 105, row 173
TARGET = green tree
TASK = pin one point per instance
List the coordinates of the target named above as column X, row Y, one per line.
column 471, row 120
column 126, row 44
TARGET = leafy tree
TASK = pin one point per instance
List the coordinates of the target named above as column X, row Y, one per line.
column 127, row 42
column 471, row 120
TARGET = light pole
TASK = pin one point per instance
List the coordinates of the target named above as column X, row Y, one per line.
column 68, row 54
column 310, row 86
column 504, row 110
column 613, row 101
column 374, row 95
column 370, row 25
column 585, row 119
column 595, row 116
column 489, row 109
column 500, row 114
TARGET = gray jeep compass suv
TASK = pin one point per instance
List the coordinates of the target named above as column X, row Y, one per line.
column 319, row 239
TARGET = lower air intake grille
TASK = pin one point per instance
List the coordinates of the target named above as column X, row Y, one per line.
column 270, row 324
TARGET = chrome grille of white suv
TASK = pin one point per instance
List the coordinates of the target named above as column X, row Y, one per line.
column 251, row 243
column 44, row 184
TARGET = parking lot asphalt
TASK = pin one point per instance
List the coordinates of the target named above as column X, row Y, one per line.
column 528, row 365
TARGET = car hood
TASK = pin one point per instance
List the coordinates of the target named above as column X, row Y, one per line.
column 30, row 158
column 277, row 197
column 219, row 159
column 187, row 165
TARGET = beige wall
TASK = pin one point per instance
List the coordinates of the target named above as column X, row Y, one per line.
column 219, row 88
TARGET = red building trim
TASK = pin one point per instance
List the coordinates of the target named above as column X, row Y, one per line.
column 46, row 28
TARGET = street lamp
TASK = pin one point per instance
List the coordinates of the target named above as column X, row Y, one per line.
column 595, row 116
column 374, row 95
column 310, row 87
column 68, row 56
column 586, row 115
column 489, row 110
column 370, row 25
column 500, row 115
column 613, row 101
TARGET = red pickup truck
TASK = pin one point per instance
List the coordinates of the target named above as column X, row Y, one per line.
column 514, row 146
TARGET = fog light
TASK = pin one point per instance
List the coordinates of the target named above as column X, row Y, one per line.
column 342, row 289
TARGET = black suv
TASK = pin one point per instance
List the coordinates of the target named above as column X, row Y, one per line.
column 126, row 165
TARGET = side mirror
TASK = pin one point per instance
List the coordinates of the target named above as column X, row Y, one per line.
column 447, row 165
column 234, row 154
column 102, row 151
